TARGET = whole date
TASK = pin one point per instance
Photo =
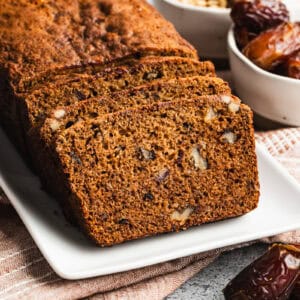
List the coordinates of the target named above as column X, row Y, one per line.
column 274, row 46
column 256, row 16
column 272, row 276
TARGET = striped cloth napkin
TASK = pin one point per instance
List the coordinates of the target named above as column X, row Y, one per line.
column 25, row 274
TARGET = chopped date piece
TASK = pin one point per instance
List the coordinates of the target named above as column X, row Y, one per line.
column 187, row 125
column 274, row 46
column 124, row 221
column 272, row 276
column 259, row 15
column 179, row 158
column 148, row 196
column 79, row 95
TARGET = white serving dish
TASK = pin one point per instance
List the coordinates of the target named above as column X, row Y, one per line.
column 274, row 97
column 205, row 28
column 72, row 256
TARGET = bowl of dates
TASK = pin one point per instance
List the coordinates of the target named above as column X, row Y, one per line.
column 264, row 55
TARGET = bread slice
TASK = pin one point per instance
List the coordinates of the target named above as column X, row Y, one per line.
column 159, row 168
column 36, row 106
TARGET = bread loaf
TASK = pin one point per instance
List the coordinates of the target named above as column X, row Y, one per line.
column 124, row 125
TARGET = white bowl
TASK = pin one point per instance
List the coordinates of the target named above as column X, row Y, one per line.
column 274, row 97
column 205, row 28
column 294, row 8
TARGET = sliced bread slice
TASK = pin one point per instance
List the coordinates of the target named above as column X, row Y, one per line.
column 158, row 168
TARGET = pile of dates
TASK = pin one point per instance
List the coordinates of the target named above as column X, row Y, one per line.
column 275, row 275
column 265, row 35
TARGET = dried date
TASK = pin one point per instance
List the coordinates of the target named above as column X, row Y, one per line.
column 258, row 15
column 296, row 291
column 272, row 276
column 274, row 46
column 243, row 36
column 293, row 66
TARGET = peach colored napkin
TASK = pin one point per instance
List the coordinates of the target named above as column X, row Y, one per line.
column 24, row 273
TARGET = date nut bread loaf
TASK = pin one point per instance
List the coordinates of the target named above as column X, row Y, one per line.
column 125, row 126
column 43, row 138
column 159, row 168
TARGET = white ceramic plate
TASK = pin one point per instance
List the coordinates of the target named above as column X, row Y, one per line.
column 72, row 256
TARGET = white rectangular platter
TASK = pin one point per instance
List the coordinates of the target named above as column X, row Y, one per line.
column 72, row 256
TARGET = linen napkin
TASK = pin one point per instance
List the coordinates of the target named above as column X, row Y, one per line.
column 25, row 274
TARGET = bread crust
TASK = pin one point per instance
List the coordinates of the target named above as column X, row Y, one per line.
column 38, row 36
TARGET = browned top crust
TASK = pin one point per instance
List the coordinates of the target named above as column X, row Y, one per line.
column 37, row 36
